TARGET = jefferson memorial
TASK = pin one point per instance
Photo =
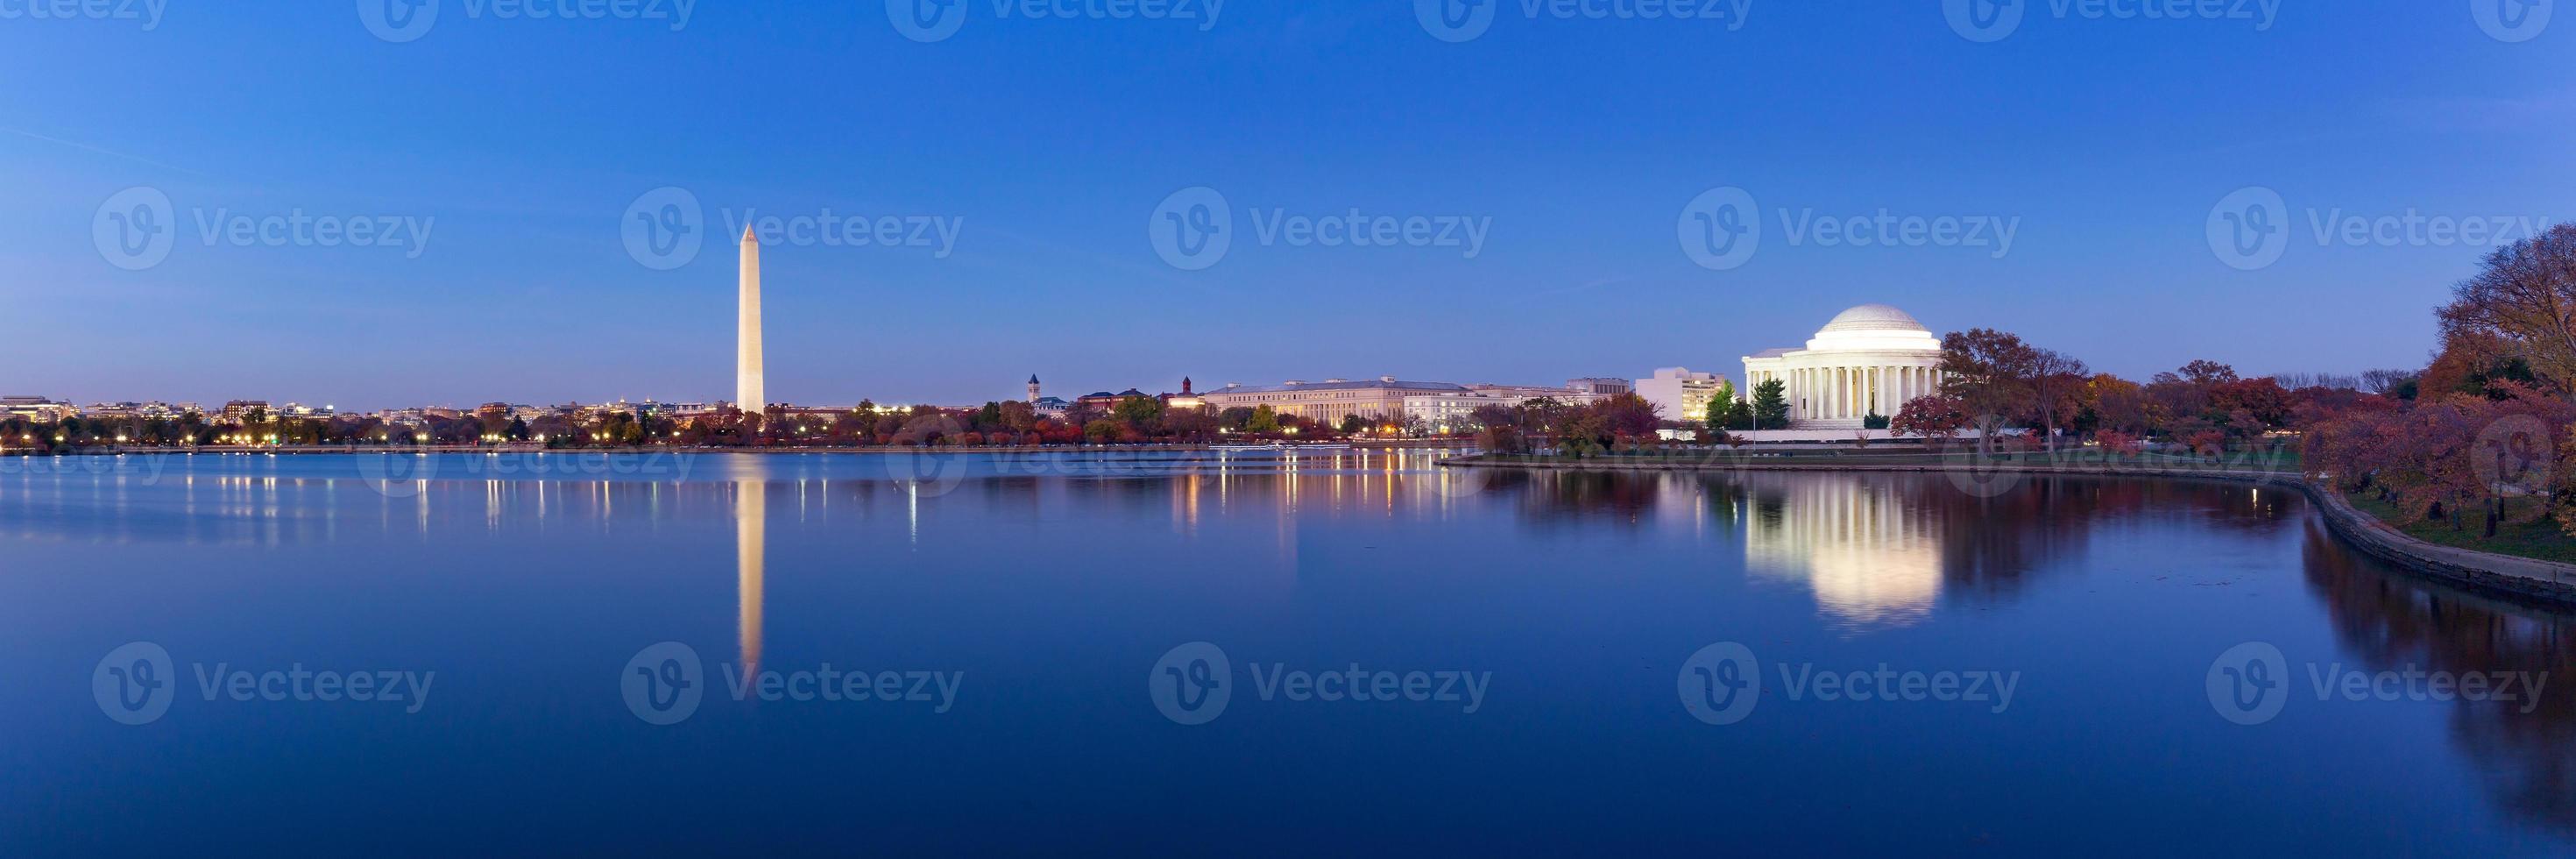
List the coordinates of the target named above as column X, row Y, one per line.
column 1870, row 360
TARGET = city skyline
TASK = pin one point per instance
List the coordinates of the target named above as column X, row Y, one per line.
column 1003, row 198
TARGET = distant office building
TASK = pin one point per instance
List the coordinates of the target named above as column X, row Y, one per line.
column 1601, row 387
column 40, row 409
column 239, row 411
column 1681, row 395
column 1450, row 410
column 1330, row 399
column 1524, row 393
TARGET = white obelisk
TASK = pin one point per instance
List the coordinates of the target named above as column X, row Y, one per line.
column 747, row 389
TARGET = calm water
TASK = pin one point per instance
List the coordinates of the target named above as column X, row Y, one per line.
column 1537, row 631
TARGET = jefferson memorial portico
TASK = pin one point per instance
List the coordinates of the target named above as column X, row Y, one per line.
column 1870, row 359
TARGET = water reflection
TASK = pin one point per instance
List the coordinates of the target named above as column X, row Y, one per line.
column 751, row 557
column 1871, row 557
column 2526, row 759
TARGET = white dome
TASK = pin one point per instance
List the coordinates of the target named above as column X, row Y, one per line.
column 1873, row 317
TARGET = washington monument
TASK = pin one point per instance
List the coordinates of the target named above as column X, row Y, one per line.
column 747, row 393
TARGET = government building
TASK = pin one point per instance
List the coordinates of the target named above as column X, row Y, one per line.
column 1869, row 360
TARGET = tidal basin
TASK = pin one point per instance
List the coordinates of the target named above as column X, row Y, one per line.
column 1339, row 652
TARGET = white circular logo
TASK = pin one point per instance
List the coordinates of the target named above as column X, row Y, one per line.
column 664, row 228
column 1191, row 683
column 2249, row 683
column 2249, row 228
column 397, row 475
column 1455, row 20
column 663, row 683
column 398, row 21
column 1983, row 20
column 1984, row 476
column 1721, row 228
column 135, row 228
column 2513, row 450
column 926, row 20
column 2512, row 21
column 1720, row 683
column 1192, row 228
column 135, row 683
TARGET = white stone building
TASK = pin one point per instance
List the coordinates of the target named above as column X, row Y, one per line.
column 1870, row 359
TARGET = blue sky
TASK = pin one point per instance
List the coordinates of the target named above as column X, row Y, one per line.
column 2105, row 140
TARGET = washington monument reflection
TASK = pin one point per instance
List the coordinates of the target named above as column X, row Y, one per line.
column 750, row 530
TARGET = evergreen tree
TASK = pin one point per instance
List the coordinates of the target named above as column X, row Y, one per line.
column 1771, row 404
